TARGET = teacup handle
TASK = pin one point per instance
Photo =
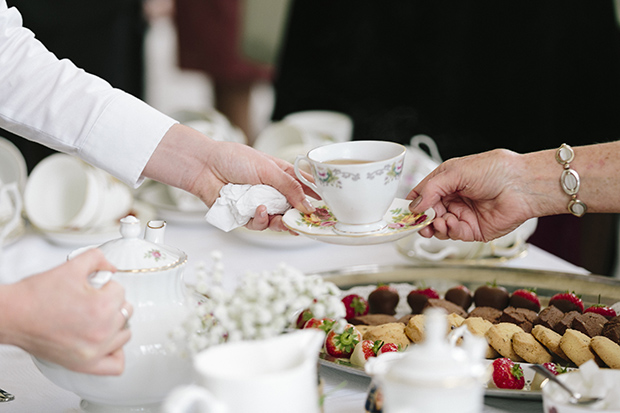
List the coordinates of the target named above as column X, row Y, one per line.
column 418, row 249
column 300, row 176
column 193, row 398
column 508, row 251
column 13, row 191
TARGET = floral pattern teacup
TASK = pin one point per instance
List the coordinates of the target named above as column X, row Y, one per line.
column 358, row 181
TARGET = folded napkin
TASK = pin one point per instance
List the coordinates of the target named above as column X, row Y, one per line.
column 237, row 204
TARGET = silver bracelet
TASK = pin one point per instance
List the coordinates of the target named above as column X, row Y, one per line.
column 570, row 180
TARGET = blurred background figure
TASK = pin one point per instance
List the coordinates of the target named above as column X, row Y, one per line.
column 472, row 74
column 105, row 38
column 209, row 35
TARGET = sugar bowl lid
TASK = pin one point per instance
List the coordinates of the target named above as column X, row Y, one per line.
column 130, row 253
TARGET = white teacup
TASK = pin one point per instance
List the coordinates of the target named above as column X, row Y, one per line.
column 64, row 193
column 337, row 126
column 276, row 375
column 285, row 141
column 434, row 249
column 358, row 180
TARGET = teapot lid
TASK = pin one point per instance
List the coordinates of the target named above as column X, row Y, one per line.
column 435, row 360
column 133, row 254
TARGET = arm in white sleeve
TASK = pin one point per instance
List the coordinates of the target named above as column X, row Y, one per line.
column 53, row 102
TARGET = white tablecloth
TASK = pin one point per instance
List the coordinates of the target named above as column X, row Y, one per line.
column 32, row 253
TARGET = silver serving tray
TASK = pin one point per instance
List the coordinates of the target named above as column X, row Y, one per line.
column 547, row 283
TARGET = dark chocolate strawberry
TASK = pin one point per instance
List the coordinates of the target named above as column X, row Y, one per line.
column 417, row 299
column 460, row 295
column 525, row 298
column 566, row 302
column 491, row 295
column 383, row 300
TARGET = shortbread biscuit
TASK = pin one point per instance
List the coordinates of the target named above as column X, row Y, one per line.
column 478, row 326
column 388, row 333
column 576, row 346
column 499, row 337
column 454, row 321
column 607, row 350
column 415, row 328
column 529, row 349
column 550, row 339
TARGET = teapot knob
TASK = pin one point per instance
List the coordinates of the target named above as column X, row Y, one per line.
column 130, row 227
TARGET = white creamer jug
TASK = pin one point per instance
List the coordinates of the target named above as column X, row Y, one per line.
column 276, row 375
column 436, row 375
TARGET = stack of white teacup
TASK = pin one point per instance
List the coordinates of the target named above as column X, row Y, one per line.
column 66, row 195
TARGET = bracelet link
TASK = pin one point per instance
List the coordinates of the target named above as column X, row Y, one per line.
column 569, row 180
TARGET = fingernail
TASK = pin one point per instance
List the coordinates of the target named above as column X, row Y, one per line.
column 415, row 203
column 308, row 206
column 262, row 214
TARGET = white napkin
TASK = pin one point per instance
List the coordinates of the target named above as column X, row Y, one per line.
column 237, row 204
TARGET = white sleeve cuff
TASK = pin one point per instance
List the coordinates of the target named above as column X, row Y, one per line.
column 124, row 137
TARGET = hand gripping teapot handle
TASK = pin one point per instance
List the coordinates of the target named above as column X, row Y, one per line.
column 99, row 279
column 192, row 398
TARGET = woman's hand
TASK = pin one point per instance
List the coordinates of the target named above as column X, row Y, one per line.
column 58, row 316
column 476, row 198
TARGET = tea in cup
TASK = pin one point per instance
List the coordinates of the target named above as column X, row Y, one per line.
column 358, row 181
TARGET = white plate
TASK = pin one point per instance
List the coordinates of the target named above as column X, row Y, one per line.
column 401, row 223
column 142, row 211
column 12, row 164
column 157, row 195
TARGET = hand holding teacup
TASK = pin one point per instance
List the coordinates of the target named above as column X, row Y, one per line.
column 358, row 180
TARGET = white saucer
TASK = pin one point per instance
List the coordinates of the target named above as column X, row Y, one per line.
column 157, row 195
column 400, row 224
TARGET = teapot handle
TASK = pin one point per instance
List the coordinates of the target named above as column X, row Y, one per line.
column 192, row 398
column 99, row 279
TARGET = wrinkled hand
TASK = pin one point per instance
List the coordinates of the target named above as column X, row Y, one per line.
column 476, row 198
column 63, row 319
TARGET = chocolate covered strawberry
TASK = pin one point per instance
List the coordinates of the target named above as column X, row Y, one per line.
column 460, row 295
column 491, row 295
column 566, row 302
column 341, row 344
column 364, row 350
column 383, row 300
column 525, row 298
column 601, row 309
column 507, row 374
column 355, row 305
column 417, row 299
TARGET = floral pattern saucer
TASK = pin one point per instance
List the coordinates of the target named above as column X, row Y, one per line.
column 319, row 225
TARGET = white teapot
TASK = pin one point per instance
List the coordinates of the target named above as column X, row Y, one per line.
column 151, row 274
column 436, row 375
